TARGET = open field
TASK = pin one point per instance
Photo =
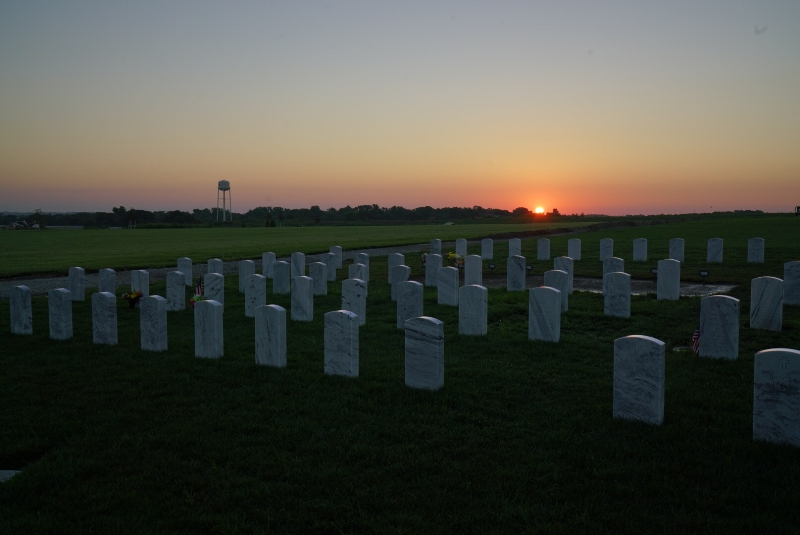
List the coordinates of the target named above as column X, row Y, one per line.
column 520, row 439
column 25, row 252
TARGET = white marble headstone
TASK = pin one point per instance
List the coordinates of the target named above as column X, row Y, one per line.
column 617, row 294
column 363, row 259
column 319, row 274
column 514, row 247
column 544, row 314
column 613, row 264
column 606, row 248
column 246, row 268
column 436, row 246
column 461, row 247
column 215, row 265
column 565, row 263
column 776, row 396
column 398, row 274
column 473, row 270
column 559, row 280
column 280, row 278
column 302, row 299
column 766, row 303
column 140, row 282
column 473, row 307
column 329, row 259
column 714, row 250
column 424, row 353
column 668, row 284
column 185, row 267
column 358, row 271
column 208, row 340
column 755, row 250
column 176, row 291
column 719, row 327
column 676, row 246
column 409, row 302
column 487, row 249
column 341, row 343
column 298, row 265
column 107, row 280
column 448, row 286
column 255, row 294
column 104, row 318
column 153, row 323
column 60, row 308
column 77, row 283
column 791, row 283
column 640, row 250
column 336, row 251
column 354, row 298
column 639, row 379
column 214, row 287
column 543, row 249
column 433, row 263
column 267, row 260
column 574, row 248
column 395, row 259
column 515, row 274
column 19, row 298
column 271, row 336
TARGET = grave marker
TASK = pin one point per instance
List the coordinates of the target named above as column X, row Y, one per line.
column 153, row 323
column 255, row 294
column 436, row 247
column 302, row 299
column 613, row 264
column 60, row 309
column 639, row 379
column 676, row 246
column 271, row 336
column 433, row 263
column 298, row 265
column 714, row 250
column 543, row 249
column 719, row 327
column 280, row 278
column 559, row 280
column 640, row 250
column 473, row 307
column 791, row 283
column 176, row 291
column 409, row 302
column 214, row 287
column 319, row 274
column 208, row 341
column 668, row 284
column 336, row 251
column 19, row 298
column 574, row 248
column 473, row 270
column 140, row 282
column 107, row 280
column 358, row 271
column 395, row 259
column 606, row 248
column 104, row 318
column 362, row 258
column 246, row 268
column 354, row 298
column 544, row 314
column 565, row 263
column 185, row 267
column 424, row 353
column 267, row 261
column 515, row 274
column 617, row 294
column 448, row 286
column 77, row 283
column 766, row 303
column 341, row 343
column 755, row 250
column 776, row 396
column 215, row 265
column 398, row 274
column 487, row 249
column 329, row 259
column 461, row 247
column 514, row 247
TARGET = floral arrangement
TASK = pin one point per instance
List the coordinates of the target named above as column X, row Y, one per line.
column 196, row 299
column 455, row 260
column 132, row 298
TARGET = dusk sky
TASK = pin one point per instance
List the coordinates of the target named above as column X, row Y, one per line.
column 611, row 107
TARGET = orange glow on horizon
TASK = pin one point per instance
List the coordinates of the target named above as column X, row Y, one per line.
column 539, row 210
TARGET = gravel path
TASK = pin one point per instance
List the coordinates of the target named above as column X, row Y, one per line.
column 40, row 286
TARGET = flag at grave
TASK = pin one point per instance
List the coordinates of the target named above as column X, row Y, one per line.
column 696, row 340
column 198, row 290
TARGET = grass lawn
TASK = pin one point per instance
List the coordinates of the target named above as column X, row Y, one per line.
column 24, row 252
column 520, row 439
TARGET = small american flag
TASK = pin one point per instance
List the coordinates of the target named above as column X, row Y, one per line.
column 198, row 290
column 696, row 340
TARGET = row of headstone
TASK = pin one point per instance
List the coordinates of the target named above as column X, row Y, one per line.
column 755, row 250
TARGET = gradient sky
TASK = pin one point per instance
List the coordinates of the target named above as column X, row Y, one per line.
column 598, row 107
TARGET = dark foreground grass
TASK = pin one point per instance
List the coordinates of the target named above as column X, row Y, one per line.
column 520, row 439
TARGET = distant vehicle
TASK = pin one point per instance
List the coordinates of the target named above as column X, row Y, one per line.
column 19, row 225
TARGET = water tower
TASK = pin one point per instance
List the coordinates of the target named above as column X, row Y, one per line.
column 224, row 195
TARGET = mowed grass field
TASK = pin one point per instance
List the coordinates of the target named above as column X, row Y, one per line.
column 520, row 439
column 55, row 251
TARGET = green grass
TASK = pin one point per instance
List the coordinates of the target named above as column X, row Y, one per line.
column 520, row 439
column 56, row 251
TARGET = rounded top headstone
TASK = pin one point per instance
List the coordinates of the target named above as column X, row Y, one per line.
column 224, row 185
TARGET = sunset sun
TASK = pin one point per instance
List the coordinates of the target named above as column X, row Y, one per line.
column 539, row 210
